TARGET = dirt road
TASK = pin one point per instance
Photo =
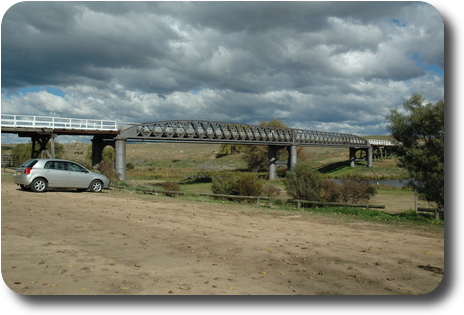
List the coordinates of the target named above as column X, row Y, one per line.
column 70, row 243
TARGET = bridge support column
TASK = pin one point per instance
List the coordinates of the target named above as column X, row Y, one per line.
column 369, row 157
column 42, row 140
column 120, row 163
column 98, row 144
column 97, row 150
column 365, row 154
column 292, row 153
column 352, row 157
column 272, row 159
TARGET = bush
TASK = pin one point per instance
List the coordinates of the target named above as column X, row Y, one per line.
column 108, row 171
column 244, row 185
column 349, row 191
column 331, row 191
column 303, row 183
column 247, row 185
column 222, row 186
column 270, row 190
column 355, row 191
column 171, row 186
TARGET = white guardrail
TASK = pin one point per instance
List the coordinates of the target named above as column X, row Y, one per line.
column 25, row 121
column 391, row 143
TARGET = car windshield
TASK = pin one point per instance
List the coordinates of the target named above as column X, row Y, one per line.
column 29, row 163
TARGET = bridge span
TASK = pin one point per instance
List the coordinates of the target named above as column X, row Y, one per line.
column 42, row 129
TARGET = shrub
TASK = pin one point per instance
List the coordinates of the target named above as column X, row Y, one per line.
column 349, row 191
column 171, row 186
column 303, row 183
column 222, row 186
column 270, row 190
column 331, row 191
column 247, row 185
column 244, row 185
column 357, row 191
column 108, row 171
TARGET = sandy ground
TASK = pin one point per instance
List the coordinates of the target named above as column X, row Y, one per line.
column 70, row 243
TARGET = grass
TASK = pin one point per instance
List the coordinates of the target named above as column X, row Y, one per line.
column 281, row 206
column 409, row 216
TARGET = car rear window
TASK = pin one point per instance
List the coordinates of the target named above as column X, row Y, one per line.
column 29, row 163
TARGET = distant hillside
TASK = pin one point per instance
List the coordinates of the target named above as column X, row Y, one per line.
column 171, row 159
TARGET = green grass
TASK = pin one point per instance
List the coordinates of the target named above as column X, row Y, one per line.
column 409, row 216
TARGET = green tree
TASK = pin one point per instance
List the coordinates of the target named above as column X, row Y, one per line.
column 256, row 155
column 24, row 150
column 420, row 128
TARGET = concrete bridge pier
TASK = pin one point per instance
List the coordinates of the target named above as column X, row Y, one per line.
column 120, row 162
column 292, row 153
column 272, row 159
column 361, row 154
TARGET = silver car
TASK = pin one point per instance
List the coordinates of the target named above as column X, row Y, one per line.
column 39, row 174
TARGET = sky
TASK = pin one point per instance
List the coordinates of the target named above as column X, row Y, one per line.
column 327, row 66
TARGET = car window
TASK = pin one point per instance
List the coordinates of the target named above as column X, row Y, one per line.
column 29, row 163
column 75, row 167
column 59, row 165
column 50, row 165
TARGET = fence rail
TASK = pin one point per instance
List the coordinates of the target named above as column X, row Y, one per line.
column 336, row 204
column 8, row 160
column 28, row 121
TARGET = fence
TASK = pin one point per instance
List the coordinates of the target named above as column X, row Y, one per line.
column 335, row 204
column 8, row 160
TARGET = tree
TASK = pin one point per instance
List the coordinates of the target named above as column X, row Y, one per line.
column 421, row 131
column 23, row 151
column 256, row 155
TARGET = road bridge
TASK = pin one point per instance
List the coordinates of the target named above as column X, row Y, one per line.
column 42, row 129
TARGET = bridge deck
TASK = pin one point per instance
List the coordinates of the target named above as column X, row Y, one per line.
column 179, row 130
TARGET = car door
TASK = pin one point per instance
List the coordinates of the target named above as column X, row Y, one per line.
column 55, row 173
column 78, row 176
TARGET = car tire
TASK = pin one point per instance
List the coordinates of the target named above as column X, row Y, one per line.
column 25, row 187
column 39, row 185
column 96, row 186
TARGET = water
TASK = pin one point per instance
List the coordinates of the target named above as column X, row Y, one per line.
column 389, row 182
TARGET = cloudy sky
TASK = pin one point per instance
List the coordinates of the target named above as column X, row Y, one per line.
column 313, row 65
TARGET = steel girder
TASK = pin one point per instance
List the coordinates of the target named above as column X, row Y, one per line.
column 223, row 132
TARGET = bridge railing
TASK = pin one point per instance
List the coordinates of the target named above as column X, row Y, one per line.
column 27, row 121
column 391, row 143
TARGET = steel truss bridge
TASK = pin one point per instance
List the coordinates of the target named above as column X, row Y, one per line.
column 41, row 129
column 223, row 132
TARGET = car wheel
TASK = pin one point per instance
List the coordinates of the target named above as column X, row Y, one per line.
column 39, row 185
column 96, row 186
column 25, row 187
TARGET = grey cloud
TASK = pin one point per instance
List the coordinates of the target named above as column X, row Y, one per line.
column 241, row 61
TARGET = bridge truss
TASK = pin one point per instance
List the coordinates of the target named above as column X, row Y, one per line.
column 222, row 132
